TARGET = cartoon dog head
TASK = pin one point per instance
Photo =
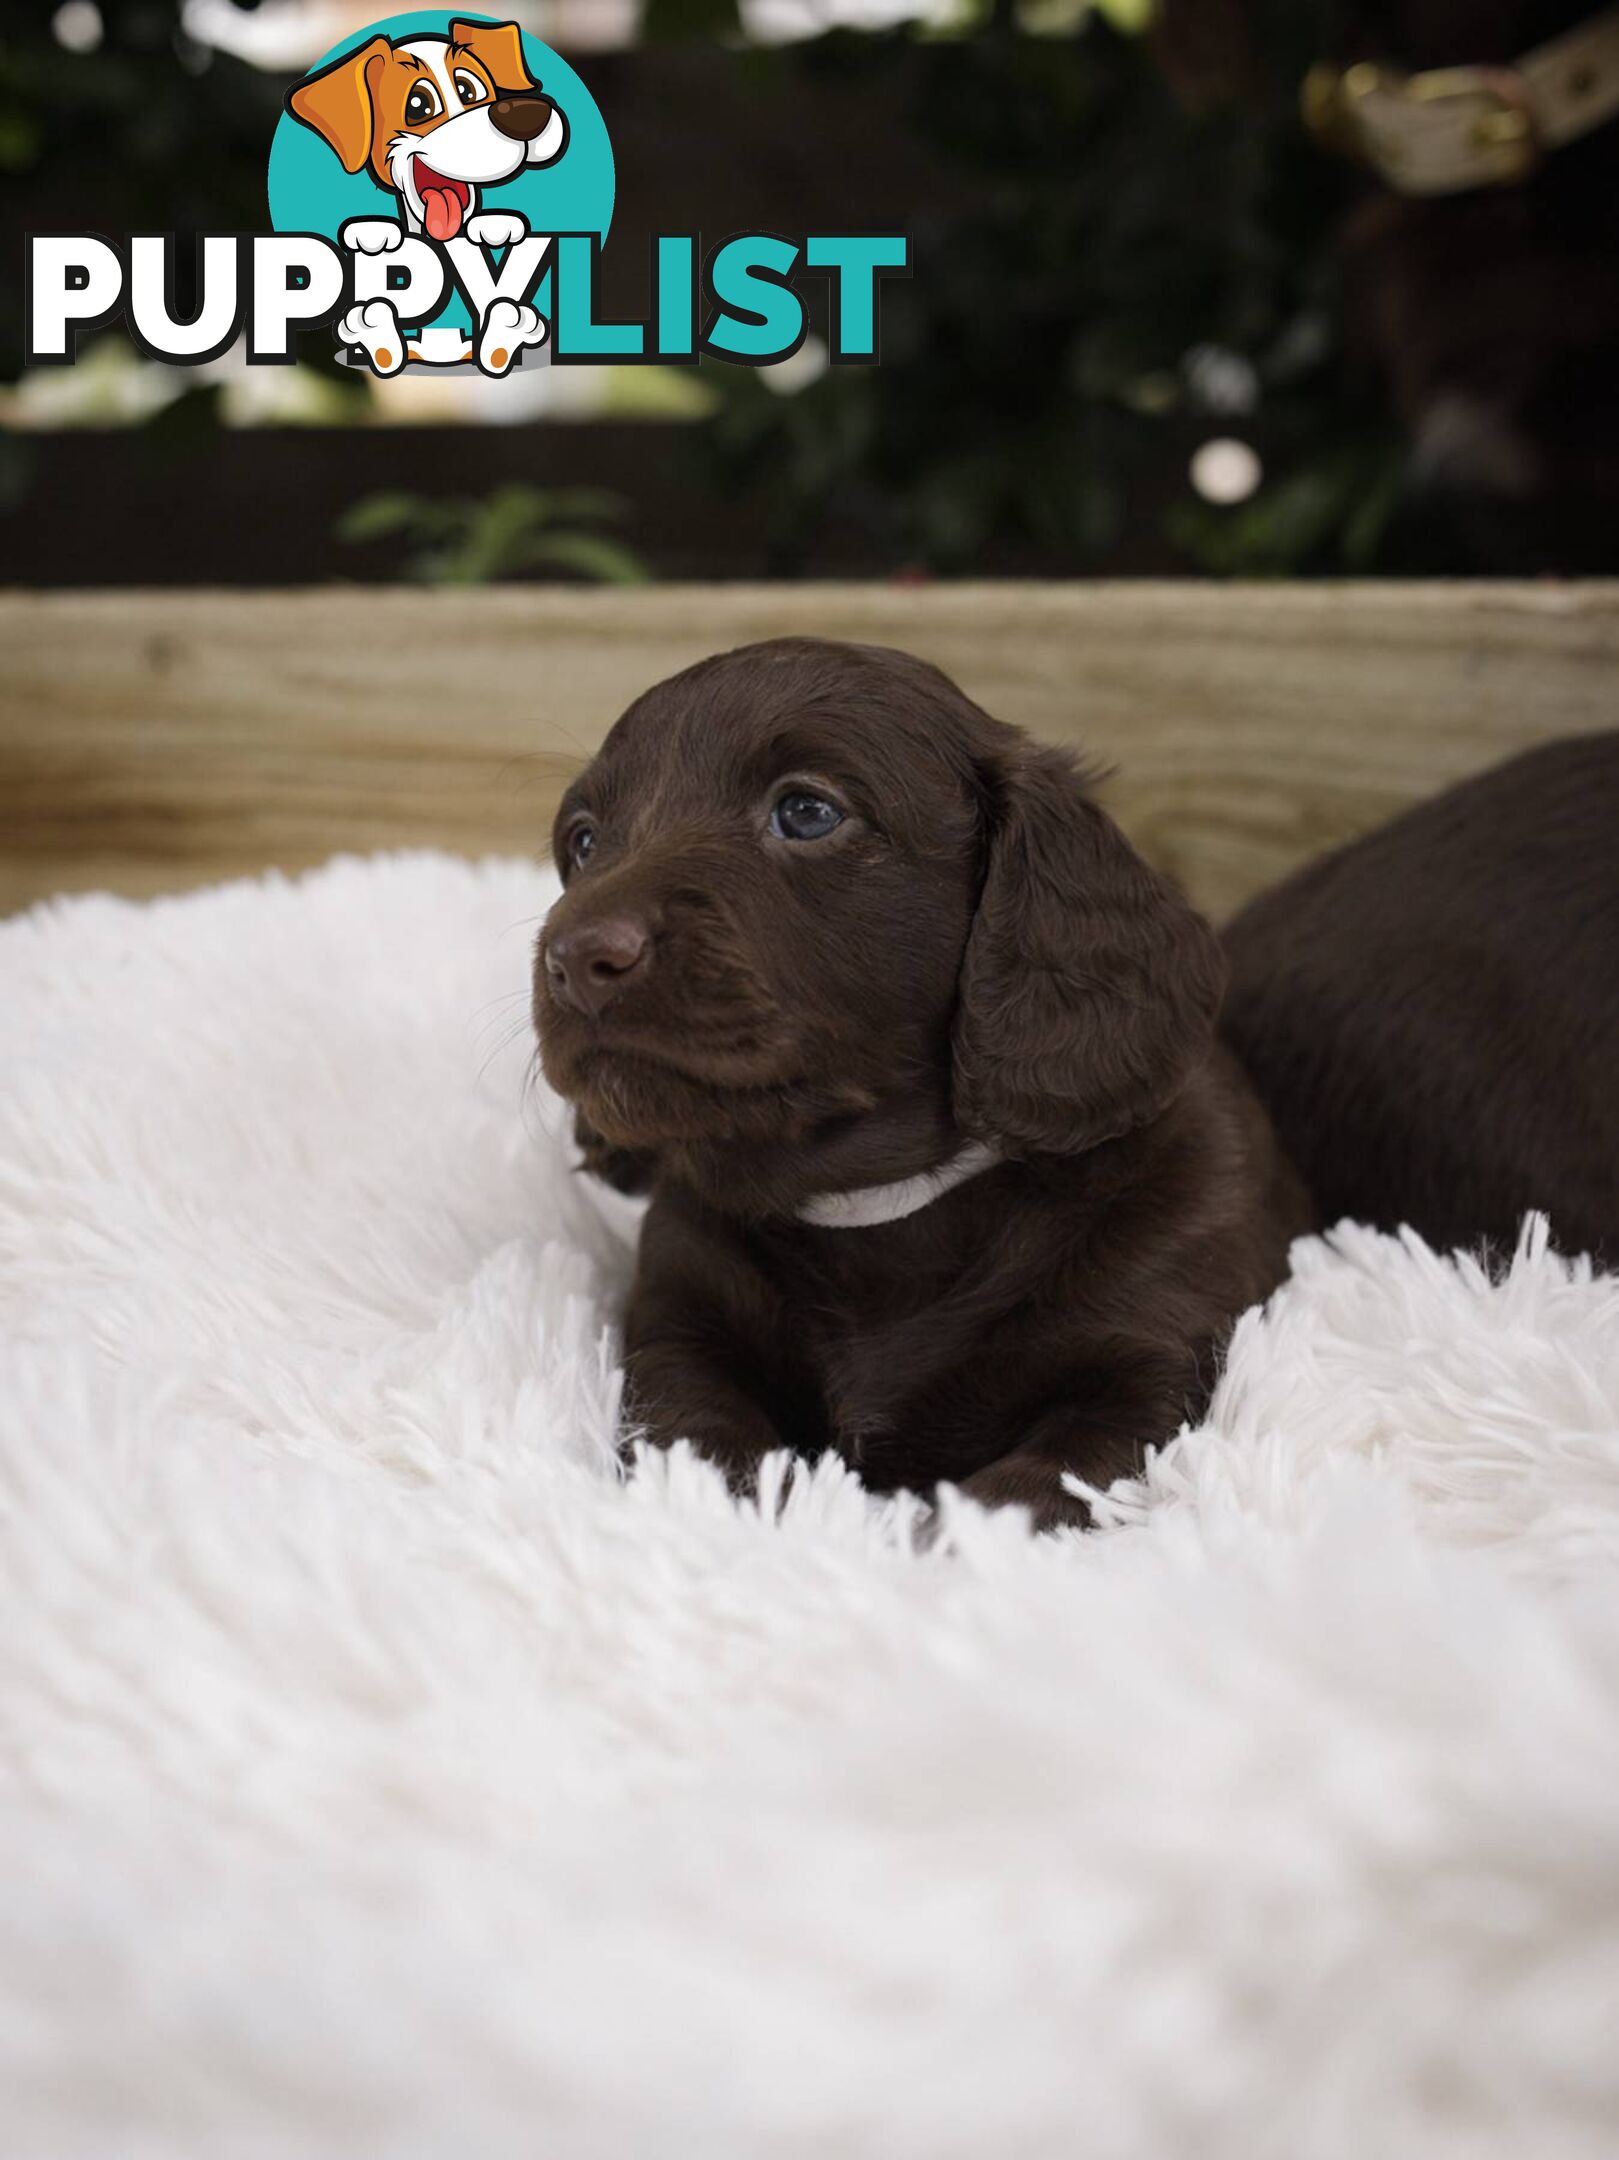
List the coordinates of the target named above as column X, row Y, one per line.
column 435, row 118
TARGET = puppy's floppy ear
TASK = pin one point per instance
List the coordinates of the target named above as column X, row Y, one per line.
column 1089, row 987
column 627, row 1170
column 337, row 103
column 498, row 48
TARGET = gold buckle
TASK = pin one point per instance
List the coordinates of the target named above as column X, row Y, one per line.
column 1506, row 130
column 1328, row 106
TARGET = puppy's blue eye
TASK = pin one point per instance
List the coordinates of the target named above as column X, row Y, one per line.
column 581, row 844
column 798, row 815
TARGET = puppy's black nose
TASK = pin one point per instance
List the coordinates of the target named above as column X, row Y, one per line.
column 522, row 118
column 590, row 962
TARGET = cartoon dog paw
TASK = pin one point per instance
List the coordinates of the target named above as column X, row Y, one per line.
column 371, row 235
column 375, row 327
column 496, row 228
column 507, row 328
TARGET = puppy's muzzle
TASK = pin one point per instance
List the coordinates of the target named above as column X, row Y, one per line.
column 520, row 119
column 590, row 963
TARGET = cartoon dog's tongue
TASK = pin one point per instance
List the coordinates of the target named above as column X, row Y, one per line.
column 443, row 202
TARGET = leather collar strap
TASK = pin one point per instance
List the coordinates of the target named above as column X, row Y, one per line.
column 869, row 1205
column 1446, row 130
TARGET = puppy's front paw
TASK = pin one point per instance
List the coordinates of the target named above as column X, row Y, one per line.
column 496, row 228
column 371, row 236
column 507, row 329
column 375, row 329
column 1034, row 1485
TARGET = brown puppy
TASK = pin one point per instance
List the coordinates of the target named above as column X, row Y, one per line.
column 828, row 927
column 1432, row 1014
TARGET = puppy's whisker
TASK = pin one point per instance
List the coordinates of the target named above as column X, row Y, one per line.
column 514, row 1033
column 506, row 997
column 528, row 1104
column 543, row 761
column 498, row 1013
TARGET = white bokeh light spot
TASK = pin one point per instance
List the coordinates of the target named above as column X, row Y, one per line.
column 1225, row 470
column 77, row 26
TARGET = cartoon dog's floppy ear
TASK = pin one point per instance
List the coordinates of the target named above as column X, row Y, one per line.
column 337, row 104
column 498, row 48
column 1089, row 986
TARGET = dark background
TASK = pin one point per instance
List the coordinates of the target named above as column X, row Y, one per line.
column 1126, row 245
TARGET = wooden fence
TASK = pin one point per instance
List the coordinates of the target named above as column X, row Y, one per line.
column 151, row 741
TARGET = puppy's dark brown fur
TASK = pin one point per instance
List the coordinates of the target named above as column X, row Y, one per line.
column 1432, row 1014
column 975, row 953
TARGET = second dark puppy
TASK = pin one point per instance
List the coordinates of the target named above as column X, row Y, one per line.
column 1431, row 1014
column 949, row 1173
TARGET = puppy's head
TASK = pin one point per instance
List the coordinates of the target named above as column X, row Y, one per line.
column 807, row 882
column 434, row 117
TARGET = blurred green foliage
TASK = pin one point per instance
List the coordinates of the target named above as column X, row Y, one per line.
column 471, row 540
column 147, row 132
column 1125, row 280
column 1113, row 281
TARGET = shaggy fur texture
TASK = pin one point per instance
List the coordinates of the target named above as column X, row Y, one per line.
column 968, row 948
column 382, row 1775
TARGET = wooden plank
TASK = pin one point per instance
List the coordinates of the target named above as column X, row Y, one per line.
column 152, row 741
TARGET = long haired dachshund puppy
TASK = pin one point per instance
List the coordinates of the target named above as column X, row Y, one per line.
column 1431, row 1014
column 917, row 1056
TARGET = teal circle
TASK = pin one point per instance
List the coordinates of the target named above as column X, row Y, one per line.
column 311, row 193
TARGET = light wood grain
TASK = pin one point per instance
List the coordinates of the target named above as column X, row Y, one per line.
column 153, row 741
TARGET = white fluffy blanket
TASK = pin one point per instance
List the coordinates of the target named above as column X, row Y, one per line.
column 382, row 1775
